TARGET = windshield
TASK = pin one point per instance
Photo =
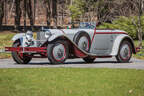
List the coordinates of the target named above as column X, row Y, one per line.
column 87, row 25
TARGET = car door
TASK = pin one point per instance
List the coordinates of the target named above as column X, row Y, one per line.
column 101, row 44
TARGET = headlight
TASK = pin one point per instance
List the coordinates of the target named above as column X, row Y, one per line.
column 48, row 34
column 29, row 36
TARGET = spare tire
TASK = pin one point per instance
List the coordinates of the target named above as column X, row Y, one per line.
column 83, row 41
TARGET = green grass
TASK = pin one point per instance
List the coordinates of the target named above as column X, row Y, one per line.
column 71, row 82
column 5, row 40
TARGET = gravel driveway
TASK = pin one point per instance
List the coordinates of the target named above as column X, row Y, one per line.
column 75, row 63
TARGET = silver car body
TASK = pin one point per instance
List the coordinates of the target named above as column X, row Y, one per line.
column 104, row 42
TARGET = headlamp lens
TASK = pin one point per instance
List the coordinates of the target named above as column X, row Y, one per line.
column 29, row 35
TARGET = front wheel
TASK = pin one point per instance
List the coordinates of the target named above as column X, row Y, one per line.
column 57, row 51
column 125, row 52
column 18, row 57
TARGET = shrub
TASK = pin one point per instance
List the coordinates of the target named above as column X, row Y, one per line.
column 124, row 23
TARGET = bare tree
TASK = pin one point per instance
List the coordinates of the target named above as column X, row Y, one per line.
column 51, row 12
column 17, row 13
column 103, row 10
column 1, row 12
column 140, row 13
column 30, row 12
column 48, row 11
column 34, row 10
column 139, row 6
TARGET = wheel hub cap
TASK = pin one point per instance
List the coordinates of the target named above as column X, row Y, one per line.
column 83, row 43
column 59, row 52
column 125, row 51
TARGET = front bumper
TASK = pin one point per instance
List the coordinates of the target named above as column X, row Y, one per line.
column 26, row 49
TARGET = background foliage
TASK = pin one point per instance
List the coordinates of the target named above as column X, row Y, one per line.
column 124, row 23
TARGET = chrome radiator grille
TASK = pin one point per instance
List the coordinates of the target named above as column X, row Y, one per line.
column 41, row 38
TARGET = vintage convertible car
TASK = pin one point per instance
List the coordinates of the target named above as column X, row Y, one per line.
column 85, row 42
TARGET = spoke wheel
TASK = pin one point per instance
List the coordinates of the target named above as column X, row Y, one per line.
column 125, row 52
column 20, row 58
column 57, row 52
column 83, row 41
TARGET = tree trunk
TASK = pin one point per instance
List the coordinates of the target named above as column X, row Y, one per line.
column 17, row 14
column 34, row 11
column 1, row 12
column 24, row 13
column 48, row 12
column 30, row 12
column 51, row 12
column 54, row 12
column 140, row 31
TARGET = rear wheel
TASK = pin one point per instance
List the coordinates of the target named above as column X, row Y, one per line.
column 83, row 41
column 89, row 59
column 125, row 52
column 57, row 51
column 20, row 58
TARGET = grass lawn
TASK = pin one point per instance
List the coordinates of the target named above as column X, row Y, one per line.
column 71, row 82
column 5, row 40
